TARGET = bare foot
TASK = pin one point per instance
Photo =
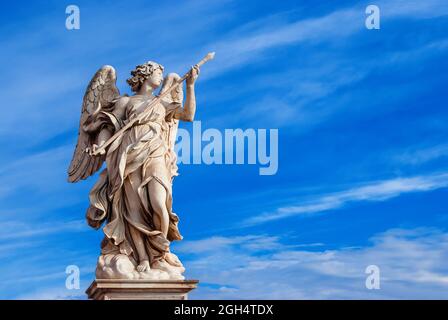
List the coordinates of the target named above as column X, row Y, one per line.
column 143, row 266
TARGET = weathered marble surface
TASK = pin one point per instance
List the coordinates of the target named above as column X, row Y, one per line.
column 116, row 289
column 121, row 266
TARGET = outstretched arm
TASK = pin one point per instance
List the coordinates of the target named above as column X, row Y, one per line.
column 188, row 111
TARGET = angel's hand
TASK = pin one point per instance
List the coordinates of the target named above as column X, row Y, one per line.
column 194, row 73
column 95, row 147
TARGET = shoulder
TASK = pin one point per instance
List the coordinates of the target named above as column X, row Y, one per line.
column 122, row 101
column 119, row 106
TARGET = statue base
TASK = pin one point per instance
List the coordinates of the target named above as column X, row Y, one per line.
column 140, row 289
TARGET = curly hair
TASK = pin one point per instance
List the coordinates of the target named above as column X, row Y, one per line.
column 141, row 73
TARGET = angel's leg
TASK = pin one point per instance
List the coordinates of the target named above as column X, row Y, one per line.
column 135, row 211
column 161, row 217
column 143, row 263
column 158, row 203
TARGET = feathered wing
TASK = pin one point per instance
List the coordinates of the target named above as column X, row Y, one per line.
column 100, row 94
column 173, row 101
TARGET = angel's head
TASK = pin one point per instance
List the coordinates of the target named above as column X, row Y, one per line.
column 149, row 72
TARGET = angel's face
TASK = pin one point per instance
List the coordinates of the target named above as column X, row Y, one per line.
column 156, row 78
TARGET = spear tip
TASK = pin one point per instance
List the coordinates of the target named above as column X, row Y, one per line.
column 210, row 55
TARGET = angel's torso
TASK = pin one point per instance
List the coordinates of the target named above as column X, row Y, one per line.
column 153, row 126
column 138, row 104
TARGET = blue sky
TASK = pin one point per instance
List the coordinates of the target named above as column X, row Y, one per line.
column 361, row 114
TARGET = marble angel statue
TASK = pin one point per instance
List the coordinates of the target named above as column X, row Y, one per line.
column 132, row 199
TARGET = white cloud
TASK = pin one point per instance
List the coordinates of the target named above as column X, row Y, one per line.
column 413, row 265
column 35, row 170
column 413, row 9
column 31, row 229
column 35, row 185
column 247, row 42
column 373, row 191
column 306, row 86
column 249, row 242
column 420, row 156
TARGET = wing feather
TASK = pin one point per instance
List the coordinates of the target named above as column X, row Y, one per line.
column 100, row 93
column 173, row 99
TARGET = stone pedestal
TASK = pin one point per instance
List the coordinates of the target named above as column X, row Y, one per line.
column 120, row 289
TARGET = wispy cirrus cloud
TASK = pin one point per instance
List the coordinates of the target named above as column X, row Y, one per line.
column 422, row 155
column 31, row 229
column 36, row 169
column 412, row 264
column 249, row 42
column 248, row 242
column 319, row 84
column 32, row 185
column 369, row 192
